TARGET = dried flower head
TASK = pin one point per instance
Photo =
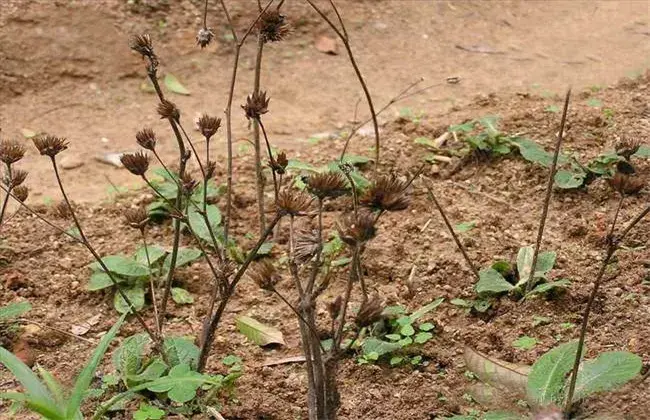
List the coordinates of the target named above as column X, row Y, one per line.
column 327, row 184
column 626, row 184
column 280, row 163
column 136, row 163
column 357, row 230
column 225, row 269
column 307, row 245
column 204, row 36
column 208, row 126
column 334, row 307
column 263, row 273
column 627, row 147
column 11, row 151
column 50, row 145
column 146, row 138
column 18, row 176
column 369, row 312
column 210, row 169
column 142, row 45
column 137, row 218
column 167, row 109
column 292, row 202
column 21, row 193
column 386, row 193
column 188, row 183
column 273, row 27
column 257, row 105
column 625, row 167
column 62, row 210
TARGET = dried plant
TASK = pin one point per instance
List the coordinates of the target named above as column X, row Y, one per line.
column 146, row 138
column 387, row 193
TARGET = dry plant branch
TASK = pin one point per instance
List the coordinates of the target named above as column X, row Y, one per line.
column 60, row 331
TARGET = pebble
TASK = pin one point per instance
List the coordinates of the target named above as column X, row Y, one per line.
column 71, row 162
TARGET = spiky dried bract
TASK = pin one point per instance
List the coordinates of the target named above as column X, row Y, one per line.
column 627, row 147
column 273, row 26
column 279, row 164
column 168, row 110
column 225, row 269
column 204, row 36
column 146, row 138
column 327, row 184
column 306, row 247
column 369, row 312
column 263, row 273
column 257, row 105
column 62, row 210
column 136, row 163
column 18, row 176
column 626, row 184
column 292, row 203
column 50, row 145
column 11, row 151
column 142, row 45
column 208, row 126
column 21, row 193
column 356, row 230
column 136, row 218
column 386, row 193
column 334, row 307
column 210, row 169
column 188, row 183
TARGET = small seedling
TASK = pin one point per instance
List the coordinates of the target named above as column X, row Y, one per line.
column 525, row 343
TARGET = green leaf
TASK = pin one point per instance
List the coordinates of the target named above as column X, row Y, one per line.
column 154, row 370
column 156, row 254
column 86, row 376
column 393, row 337
column 465, row 227
column 374, row 345
column 422, row 337
column 503, row 267
column 461, row 302
column 231, row 360
column 407, row 330
column 595, row 103
column 547, row 377
column 490, row 122
column 427, row 326
column 127, row 358
column 14, row 310
column 481, row 305
column 608, row 371
column 100, row 280
column 296, row 165
column 643, row 152
column 178, row 391
column 569, row 180
column 540, row 320
column 533, row 152
column 181, row 296
column 525, row 343
column 394, row 310
column 545, row 263
column 259, row 333
column 396, row 360
column 547, row 287
column 148, row 412
column 425, row 141
column 180, row 351
column 185, row 256
column 492, row 282
column 425, row 309
column 122, row 266
column 462, row 128
column 265, row 249
column 495, row 372
column 174, row 85
column 135, row 294
column 524, row 263
column 355, row 160
column 198, row 225
column 552, row 108
column 52, row 384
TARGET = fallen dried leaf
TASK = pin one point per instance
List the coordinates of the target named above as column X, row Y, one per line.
column 84, row 327
column 326, row 45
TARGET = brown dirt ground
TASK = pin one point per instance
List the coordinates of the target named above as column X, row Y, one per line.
column 58, row 96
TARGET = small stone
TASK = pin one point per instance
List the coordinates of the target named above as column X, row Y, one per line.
column 71, row 162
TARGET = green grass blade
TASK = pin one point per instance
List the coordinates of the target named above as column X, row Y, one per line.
column 52, row 384
column 50, row 412
column 86, row 375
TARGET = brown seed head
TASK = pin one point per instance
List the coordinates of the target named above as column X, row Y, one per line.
column 62, row 210
column 263, row 273
column 18, row 176
column 292, row 202
column 257, row 105
column 204, row 36
column 626, row 184
column 142, row 45
column 306, row 247
column 11, row 151
column 279, row 164
column 386, row 193
column 210, row 169
column 273, row 27
column 225, row 269
column 627, row 147
column 50, row 145
column 334, row 307
column 209, row 125
column 21, row 193
column 370, row 312
column 167, row 109
column 357, row 230
column 327, row 184
column 188, row 183
column 136, row 218
column 136, row 163
column 146, row 138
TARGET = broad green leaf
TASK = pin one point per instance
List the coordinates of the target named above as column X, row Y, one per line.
column 180, row 351
column 181, row 296
column 127, row 358
column 156, row 254
column 497, row 372
column 492, row 282
column 259, row 333
column 148, row 412
column 535, row 153
column 101, row 280
column 547, row 287
column 14, row 310
column 465, row 226
column 422, row 337
column 135, row 294
column 546, row 379
column 393, row 310
column 502, row 267
column 425, row 141
column 427, row 326
column 174, row 85
column 185, row 256
column 481, row 305
column 407, row 330
column 461, row 302
column 490, row 122
column 356, row 160
column 179, row 392
column 525, row 343
column 396, row 360
column 380, row 347
column 608, row 371
column 296, row 165
column 231, row 360
column 198, row 225
column 643, row 152
column 154, row 370
column 122, row 266
column 425, row 309
column 545, row 263
column 569, row 180
column 462, row 128
column 86, row 376
column 524, row 263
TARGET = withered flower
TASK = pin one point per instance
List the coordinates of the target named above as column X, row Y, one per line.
column 136, row 163
column 225, row 269
column 306, row 247
column 263, row 273
column 62, row 210
column 136, row 218
column 357, row 230
column 627, row 147
column 327, row 184
column 142, row 45
column 292, row 202
column 625, row 167
column 209, row 125
column 210, row 169
column 11, row 151
column 18, row 176
column 334, row 307
column 204, row 36
column 188, row 183
column 279, row 164
column 146, row 138
column 50, row 145
column 369, row 312
column 257, row 105
column 167, row 109
column 273, row 27
column 21, row 193
column 387, row 193
column 626, row 184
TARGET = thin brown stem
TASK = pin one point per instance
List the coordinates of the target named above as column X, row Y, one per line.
column 336, row 347
column 49, row 327
column 152, row 283
column 549, row 192
column 312, row 328
column 259, row 179
column 276, row 186
column 205, row 15
column 5, row 201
